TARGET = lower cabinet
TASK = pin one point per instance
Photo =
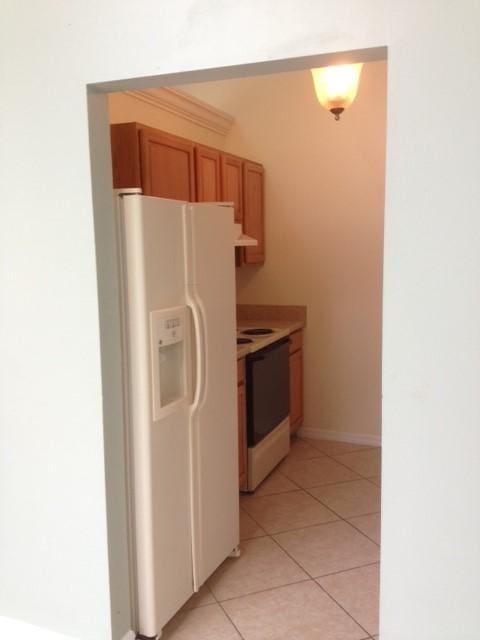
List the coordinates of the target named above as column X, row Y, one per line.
column 242, row 425
column 296, row 381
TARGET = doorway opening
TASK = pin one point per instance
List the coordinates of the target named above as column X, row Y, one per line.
column 310, row 530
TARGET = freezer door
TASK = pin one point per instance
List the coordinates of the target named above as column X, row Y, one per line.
column 153, row 279
column 210, row 283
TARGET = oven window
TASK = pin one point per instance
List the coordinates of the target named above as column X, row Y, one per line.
column 267, row 390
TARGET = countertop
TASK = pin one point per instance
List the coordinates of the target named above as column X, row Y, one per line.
column 282, row 328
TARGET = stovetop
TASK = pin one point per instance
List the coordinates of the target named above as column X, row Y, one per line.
column 256, row 337
column 258, row 331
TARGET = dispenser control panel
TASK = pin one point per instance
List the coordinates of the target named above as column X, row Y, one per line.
column 170, row 330
column 169, row 356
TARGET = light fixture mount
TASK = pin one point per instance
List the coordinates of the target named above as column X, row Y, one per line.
column 337, row 111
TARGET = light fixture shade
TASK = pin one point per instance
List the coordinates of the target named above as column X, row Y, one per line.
column 337, row 86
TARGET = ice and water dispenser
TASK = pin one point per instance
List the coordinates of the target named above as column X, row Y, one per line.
column 169, row 344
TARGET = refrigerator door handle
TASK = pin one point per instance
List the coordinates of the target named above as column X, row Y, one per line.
column 195, row 305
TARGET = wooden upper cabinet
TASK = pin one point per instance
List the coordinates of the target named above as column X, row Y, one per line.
column 160, row 164
column 253, row 211
column 232, row 188
column 167, row 164
column 125, row 155
column 207, row 174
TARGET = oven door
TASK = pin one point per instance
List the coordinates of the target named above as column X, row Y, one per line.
column 267, row 390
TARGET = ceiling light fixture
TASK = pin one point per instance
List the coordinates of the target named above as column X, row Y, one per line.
column 336, row 87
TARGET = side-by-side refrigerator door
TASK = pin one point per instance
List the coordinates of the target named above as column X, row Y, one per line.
column 210, row 286
column 156, row 331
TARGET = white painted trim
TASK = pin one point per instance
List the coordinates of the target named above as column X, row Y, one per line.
column 130, row 635
column 340, row 436
column 10, row 628
column 186, row 106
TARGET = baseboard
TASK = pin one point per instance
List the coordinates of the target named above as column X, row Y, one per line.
column 340, row 436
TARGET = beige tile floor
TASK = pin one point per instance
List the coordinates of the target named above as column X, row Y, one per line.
column 309, row 568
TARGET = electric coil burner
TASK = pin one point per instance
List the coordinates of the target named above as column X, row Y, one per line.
column 258, row 331
column 244, row 340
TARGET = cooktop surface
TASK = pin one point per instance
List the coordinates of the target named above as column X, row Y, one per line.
column 258, row 331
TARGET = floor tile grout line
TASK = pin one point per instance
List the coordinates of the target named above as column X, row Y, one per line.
column 332, row 457
column 339, row 518
column 253, row 497
column 221, row 607
column 314, row 580
column 344, row 610
column 318, row 524
column 292, row 558
column 363, row 533
column 359, row 479
column 350, row 523
column 360, row 566
column 257, row 523
column 308, row 526
column 363, row 447
column 231, row 621
column 343, row 518
column 347, row 520
column 264, row 535
column 324, row 504
column 327, row 484
column 309, row 578
column 305, row 526
column 250, row 497
column 254, row 593
column 324, row 575
column 346, row 465
column 292, row 481
column 372, row 481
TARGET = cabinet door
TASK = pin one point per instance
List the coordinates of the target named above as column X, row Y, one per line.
column 232, row 188
column 207, row 174
column 253, row 211
column 242, row 437
column 167, row 166
column 296, row 390
column 125, row 155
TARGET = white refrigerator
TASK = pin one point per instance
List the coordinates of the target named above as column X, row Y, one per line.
column 178, row 296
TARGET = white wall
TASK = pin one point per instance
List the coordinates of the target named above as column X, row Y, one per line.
column 53, row 549
column 324, row 231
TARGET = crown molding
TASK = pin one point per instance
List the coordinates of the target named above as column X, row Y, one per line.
column 185, row 106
